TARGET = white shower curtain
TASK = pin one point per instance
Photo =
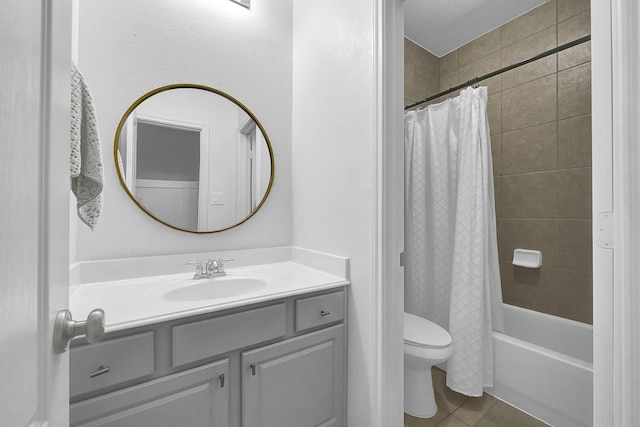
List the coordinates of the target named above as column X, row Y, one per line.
column 451, row 271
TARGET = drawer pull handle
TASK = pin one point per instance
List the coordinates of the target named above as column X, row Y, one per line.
column 253, row 368
column 221, row 380
column 324, row 313
column 101, row 370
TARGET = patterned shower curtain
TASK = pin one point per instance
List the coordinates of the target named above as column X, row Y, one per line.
column 452, row 272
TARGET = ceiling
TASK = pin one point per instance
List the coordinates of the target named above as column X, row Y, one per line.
column 441, row 26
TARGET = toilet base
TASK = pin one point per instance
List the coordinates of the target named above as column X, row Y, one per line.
column 419, row 397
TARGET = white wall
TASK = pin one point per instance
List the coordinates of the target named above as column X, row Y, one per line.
column 127, row 48
column 333, row 160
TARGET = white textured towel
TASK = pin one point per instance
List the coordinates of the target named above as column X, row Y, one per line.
column 87, row 174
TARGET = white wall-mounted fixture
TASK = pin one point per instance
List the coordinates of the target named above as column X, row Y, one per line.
column 245, row 3
column 527, row 258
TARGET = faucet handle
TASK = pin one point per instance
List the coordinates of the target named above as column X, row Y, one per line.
column 199, row 267
column 198, row 264
column 219, row 265
column 221, row 261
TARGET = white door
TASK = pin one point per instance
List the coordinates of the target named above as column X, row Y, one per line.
column 35, row 44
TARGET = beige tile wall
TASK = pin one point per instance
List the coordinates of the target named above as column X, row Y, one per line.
column 540, row 120
column 420, row 73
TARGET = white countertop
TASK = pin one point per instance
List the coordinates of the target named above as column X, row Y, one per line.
column 137, row 302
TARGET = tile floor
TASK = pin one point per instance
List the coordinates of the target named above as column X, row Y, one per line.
column 457, row 410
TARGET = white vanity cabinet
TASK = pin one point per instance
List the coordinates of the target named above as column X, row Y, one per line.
column 279, row 363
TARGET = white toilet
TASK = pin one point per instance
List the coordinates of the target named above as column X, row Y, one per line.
column 425, row 344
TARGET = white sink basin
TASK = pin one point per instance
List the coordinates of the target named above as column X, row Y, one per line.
column 214, row 288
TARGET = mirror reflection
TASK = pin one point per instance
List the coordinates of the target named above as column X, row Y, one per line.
column 194, row 158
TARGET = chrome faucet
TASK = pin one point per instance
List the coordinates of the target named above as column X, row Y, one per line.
column 213, row 268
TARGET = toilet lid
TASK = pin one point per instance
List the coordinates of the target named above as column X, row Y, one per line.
column 424, row 333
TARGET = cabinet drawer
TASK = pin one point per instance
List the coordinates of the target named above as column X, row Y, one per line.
column 207, row 338
column 319, row 310
column 108, row 363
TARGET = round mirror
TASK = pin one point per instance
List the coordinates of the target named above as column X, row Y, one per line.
column 193, row 158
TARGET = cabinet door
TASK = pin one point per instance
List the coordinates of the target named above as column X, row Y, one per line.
column 296, row 383
column 195, row 398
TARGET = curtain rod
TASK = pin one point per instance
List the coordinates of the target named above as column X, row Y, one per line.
column 502, row 70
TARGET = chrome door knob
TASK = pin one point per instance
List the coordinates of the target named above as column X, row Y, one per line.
column 65, row 329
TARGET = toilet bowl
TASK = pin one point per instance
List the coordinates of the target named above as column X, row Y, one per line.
column 425, row 344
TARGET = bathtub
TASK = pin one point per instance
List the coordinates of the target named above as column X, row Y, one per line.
column 544, row 366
